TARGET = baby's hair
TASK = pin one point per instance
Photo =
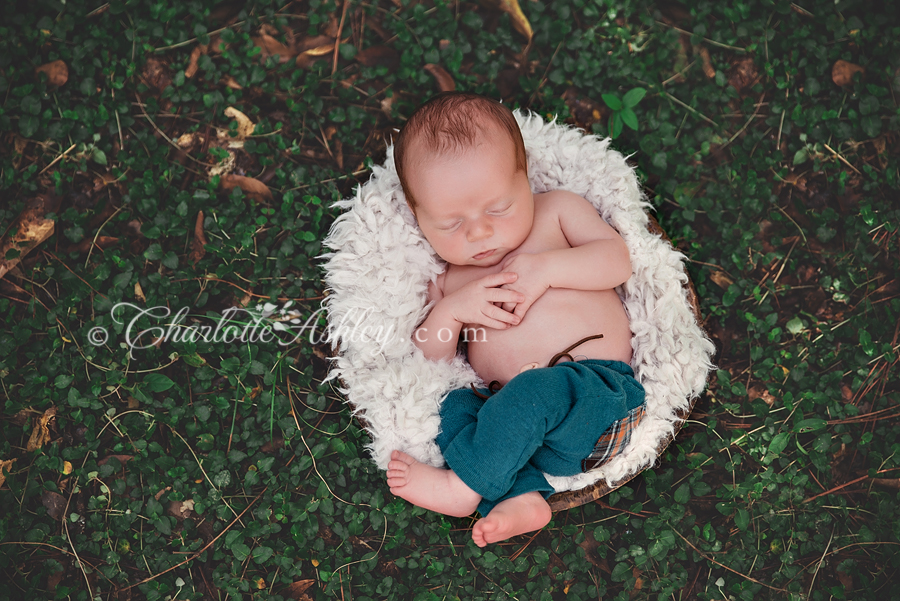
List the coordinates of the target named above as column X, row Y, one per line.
column 452, row 122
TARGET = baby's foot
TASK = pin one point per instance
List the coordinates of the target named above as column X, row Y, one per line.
column 429, row 487
column 512, row 517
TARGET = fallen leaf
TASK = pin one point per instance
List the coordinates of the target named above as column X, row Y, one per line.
column 245, row 126
column 708, row 69
column 55, row 504
column 192, row 67
column 845, row 579
column 102, row 242
column 57, row 72
column 743, row 74
column 887, row 482
column 181, row 509
column 232, row 83
column 721, row 279
column 318, row 41
column 252, row 188
column 67, row 468
column 123, row 459
column 55, row 577
column 5, row 464
column 197, row 250
column 260, row 583
column 270, row 47
column 308, row 57
column 511, row 7
column 28, row 230
column 760, row 392
column 272, row 445
column 40, row 435
column 139, row 292
column 379, row 56
column 298, row 588
column 842, row 72
column 444, row 81
column 156, row 74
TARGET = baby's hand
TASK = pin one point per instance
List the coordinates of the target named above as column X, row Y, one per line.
column 480, row 302
column 531, row 281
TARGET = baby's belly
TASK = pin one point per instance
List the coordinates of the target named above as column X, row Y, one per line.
column 557, row 320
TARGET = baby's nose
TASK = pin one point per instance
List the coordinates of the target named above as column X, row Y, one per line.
column 479, row 231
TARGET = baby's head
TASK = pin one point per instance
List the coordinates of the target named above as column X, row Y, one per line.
column 462, row 165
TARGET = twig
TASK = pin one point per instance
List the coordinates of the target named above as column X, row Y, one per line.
column 192, row 40
column 680, row 73
column 713, row 42
column 692, row 109
column 816, row 573
column 544, row 76
column 843, row 160
column 751, row 579
column 337, row 39
column 741, row 130
column 57, row 159
column 208, row 545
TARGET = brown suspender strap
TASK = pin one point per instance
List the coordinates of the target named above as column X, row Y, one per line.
column 553, row 361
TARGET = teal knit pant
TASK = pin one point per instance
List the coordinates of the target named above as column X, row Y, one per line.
column 544, row 420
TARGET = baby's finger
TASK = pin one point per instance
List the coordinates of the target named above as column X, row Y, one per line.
column 498, row 279
column 504, row 295
column 500, row 315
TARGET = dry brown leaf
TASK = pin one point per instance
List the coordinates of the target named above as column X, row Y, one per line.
column 192, row 67
column 57, row 72
column 721, row 280
column 245, row 126
column 296, row 590
column 156, row 74
column 379, row 56
column 708, row 69
column 511, row 7
column 842, row 72
column 232, row 83
column 5, row 464
column 41, row 433
column 139, row 292
column 181, row 509
column 55, row 504
column 102, row 242
column 306, row 59
column 760, row 392
column 318, row 41
column 197, row 250
column 444, row 81
column 28, row 230
column 887, row 482
column 270, row 47
column 252, row 188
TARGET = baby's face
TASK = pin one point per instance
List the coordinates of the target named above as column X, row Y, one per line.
column 476, row 208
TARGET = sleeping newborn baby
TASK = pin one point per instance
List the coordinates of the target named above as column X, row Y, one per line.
column 529, row 287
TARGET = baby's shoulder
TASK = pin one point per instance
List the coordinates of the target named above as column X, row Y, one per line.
column 556, row 199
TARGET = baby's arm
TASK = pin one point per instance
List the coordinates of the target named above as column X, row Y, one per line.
column 473, row 303
column 597, row 260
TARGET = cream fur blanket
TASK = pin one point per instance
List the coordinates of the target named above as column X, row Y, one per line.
column 381, row 265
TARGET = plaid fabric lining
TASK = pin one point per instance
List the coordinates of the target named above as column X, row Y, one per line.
column 614, row 440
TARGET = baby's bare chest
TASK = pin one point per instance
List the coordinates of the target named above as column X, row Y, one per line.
column 545, row 235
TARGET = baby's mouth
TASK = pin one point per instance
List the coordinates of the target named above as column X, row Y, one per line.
column 483, row 255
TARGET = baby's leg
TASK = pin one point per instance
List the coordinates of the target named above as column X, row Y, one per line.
column 514, row 516
column 429, row 487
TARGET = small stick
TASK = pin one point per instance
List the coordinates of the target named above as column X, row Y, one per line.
column 843, row 160
column 337, row 41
